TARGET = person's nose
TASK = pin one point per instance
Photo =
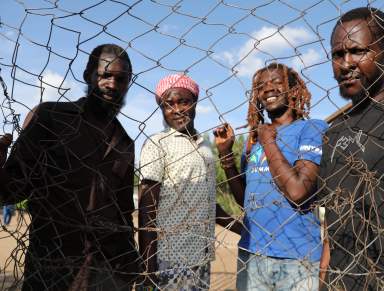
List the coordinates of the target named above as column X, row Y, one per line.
column 269, row 87
column 112, row 84
column 348, row 62
column 177, row 108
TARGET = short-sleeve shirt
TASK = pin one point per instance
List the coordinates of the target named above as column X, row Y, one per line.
column 186, row 213
column 352, row 190
column 274, row 226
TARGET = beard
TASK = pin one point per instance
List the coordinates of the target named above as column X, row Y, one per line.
column 363, row 96
column 357, row 98
column 105, row 107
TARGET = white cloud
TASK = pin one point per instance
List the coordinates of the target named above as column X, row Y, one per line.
column 272, row 40
column 53, row 87
column 168, row 28
column 227, row 56
column 29, row 90
column 141, row 108
column 268, row 42
column 309, row 58
column 27, row 96
column 203, row 109
column 249, row 65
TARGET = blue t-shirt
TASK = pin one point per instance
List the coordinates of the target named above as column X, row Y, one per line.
column 273, row 226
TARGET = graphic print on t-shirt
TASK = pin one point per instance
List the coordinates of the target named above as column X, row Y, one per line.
column 273, row 226
column 352, row 192
column 344, row 141
column 259, row 158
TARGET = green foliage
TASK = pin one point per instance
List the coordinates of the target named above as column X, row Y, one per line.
column 228, row 203
column 22, row 205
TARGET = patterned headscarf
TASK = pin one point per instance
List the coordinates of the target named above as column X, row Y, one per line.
column 176, row 81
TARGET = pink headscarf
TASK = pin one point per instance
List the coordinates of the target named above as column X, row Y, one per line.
column 176, row 81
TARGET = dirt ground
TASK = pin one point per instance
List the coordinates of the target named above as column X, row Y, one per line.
column 223, row 270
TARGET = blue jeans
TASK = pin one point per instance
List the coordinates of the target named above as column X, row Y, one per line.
column 8, row 212
column 255, row 272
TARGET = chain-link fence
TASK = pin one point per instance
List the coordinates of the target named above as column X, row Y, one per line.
column 79, row 219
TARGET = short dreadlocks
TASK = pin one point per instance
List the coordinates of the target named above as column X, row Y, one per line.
column 298, row 94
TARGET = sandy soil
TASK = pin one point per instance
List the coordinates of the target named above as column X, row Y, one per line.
column 223, row 271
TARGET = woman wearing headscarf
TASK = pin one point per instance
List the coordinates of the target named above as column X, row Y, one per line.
column 177, row 194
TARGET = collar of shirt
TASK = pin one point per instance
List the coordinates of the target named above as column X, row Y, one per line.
column 173, row 132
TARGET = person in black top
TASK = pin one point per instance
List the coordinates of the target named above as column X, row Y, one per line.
column 352, row 166
column 74, row 163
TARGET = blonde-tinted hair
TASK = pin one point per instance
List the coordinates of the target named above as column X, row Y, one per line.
column 298, row 97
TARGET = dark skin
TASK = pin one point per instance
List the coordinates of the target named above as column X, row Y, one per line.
column 110, row 80
column 295, row 182
column 107, row 86
column 325, row 258
column 227, row 221
column 224, row 139
column 109, row 83
column 149, row 192
column 5, row 142
column 179, row 110
column 6, row 139
column 355, row 55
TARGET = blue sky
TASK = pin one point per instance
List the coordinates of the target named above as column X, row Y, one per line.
column 219, row 43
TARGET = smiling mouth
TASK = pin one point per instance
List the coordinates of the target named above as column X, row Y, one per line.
column 182, row 119
column 271, row 99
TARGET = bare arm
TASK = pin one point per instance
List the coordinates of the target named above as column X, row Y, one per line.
column 296, row 182
column 325, row 256
column 224, row 139
column 149, row 192
column 227, row 221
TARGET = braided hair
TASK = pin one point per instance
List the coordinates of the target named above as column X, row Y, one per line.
column 299, row 99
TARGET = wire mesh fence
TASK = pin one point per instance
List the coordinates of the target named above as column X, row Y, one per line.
column 243, row 174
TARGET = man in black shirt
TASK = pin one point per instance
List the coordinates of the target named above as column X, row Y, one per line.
column 74, row 163
column 352, row 167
